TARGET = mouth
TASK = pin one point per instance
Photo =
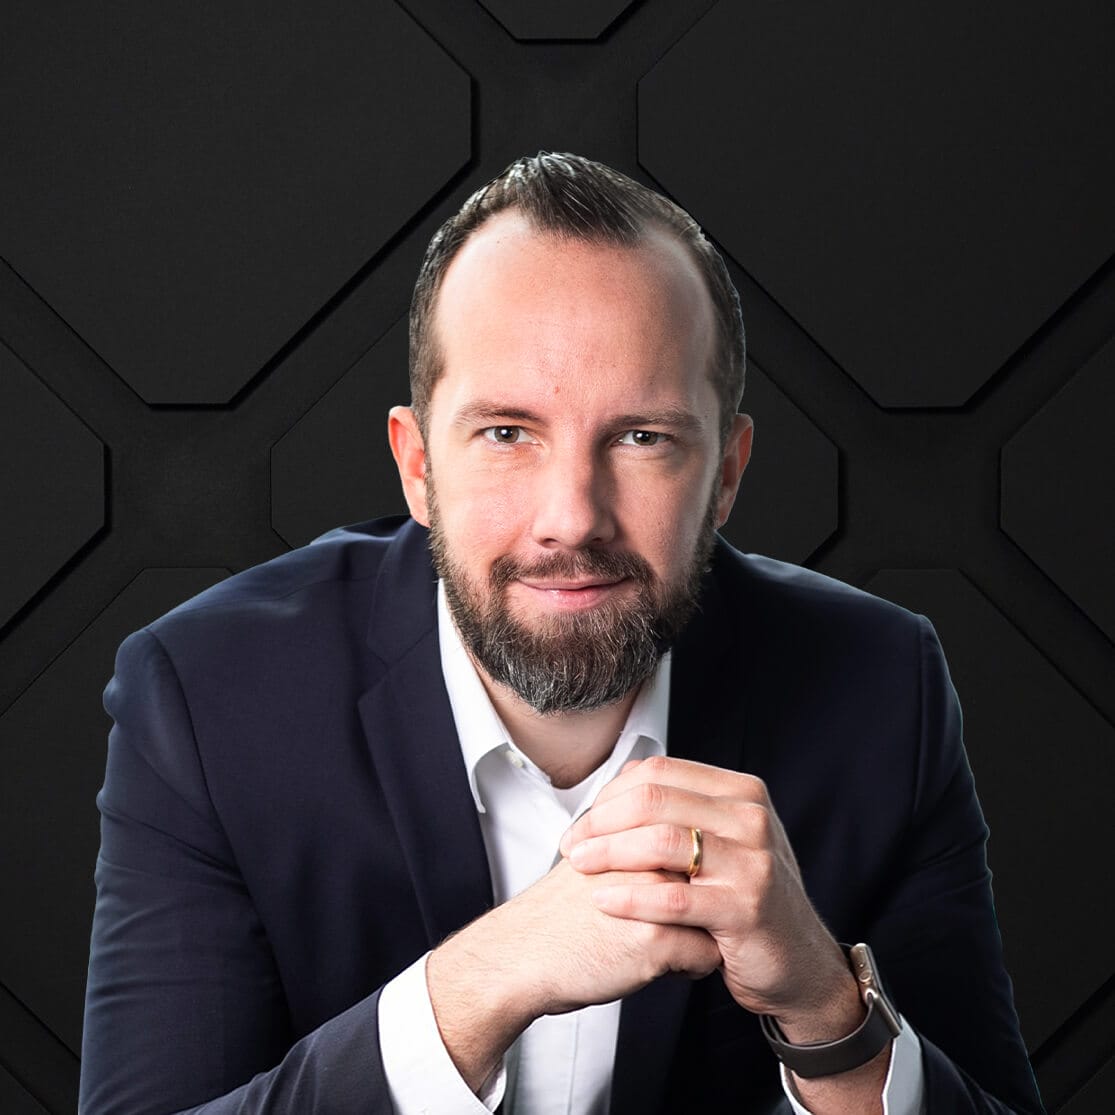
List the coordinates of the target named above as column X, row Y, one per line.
column 570, row 594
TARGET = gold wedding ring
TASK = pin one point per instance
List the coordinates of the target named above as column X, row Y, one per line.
column 697, row 853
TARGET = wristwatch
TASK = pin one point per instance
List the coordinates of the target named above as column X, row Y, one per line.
column 827, row 1058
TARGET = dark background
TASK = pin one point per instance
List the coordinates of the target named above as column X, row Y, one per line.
column 210, row 220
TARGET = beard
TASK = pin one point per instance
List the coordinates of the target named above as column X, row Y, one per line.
column 570, row 662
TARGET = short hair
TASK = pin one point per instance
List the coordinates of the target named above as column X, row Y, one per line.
column 574, row 197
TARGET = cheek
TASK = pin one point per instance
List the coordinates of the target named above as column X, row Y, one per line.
column 663, row 526
column 480, row 522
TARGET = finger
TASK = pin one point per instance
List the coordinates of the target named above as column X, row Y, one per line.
column 648, row 803
column 694, row 953
column 667, row 904
column 688, row 775
column 648, row 848
column 651, row 803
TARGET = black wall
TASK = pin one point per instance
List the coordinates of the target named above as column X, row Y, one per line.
column 210, row 220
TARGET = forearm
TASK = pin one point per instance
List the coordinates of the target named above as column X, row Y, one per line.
column 479, row 1007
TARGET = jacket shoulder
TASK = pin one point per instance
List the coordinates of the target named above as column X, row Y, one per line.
column 787, row 600
column 317, row 596
column 347, row 554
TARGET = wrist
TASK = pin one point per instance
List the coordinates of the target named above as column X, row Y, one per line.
column 856, row 1056
column 478, row 1007
column 834, row 1009
column 835, row 1013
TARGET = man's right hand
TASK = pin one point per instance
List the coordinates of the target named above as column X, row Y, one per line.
column 547, row 951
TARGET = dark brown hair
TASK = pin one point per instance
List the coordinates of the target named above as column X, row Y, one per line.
column 572, row 196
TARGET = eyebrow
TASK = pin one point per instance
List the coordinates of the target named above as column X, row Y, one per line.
column 486, row 412
column 675, row 418
column 491, row 413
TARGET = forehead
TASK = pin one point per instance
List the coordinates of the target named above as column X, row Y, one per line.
column 522, row 311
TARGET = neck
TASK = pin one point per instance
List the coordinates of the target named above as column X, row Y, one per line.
column 568, row 746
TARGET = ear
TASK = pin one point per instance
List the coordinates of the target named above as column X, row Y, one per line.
column 409, row 451
column 737, row 452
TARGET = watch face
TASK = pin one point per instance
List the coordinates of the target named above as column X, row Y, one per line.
column 862, row 960
column 863, row 968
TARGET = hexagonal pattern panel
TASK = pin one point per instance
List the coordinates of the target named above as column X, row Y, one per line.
column 788, row 503
column 52, row 751
column 204, row 205
column 920, row 187
column 52, row 488
column 1056, row 489
column 15, row 1099
column 334, row 465
column 557, row 19
column 1044, row 762
column 1095, row 1097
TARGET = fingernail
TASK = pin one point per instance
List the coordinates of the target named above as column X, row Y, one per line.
column 577, row 855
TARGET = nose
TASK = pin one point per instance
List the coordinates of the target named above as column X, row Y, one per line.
column 574, row 502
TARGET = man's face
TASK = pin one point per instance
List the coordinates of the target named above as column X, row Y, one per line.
column 574, row 438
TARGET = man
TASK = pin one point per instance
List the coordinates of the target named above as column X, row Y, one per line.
column 348, row 857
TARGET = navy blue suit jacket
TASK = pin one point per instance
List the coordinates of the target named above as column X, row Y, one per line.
column 287, row 823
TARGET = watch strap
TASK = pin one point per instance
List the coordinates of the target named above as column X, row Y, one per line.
column 829, row 1058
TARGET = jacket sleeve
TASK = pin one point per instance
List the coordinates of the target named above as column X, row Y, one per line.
column 184, row 1005
column 938, row 941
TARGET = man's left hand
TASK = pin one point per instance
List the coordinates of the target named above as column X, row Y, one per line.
column 778, row 957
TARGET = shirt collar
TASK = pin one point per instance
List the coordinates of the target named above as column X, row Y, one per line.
column 481, row 731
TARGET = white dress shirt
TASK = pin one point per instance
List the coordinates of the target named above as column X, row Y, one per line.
column 561, row 1064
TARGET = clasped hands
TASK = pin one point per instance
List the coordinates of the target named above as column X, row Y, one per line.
column 775, row 955
column 618, row 911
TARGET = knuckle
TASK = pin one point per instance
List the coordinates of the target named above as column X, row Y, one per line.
column 656, row 765
column 763, row 871
column 748, row 905
column 651, row 798
column 761, row 824
column 754, row 821
column 667, row 842
column 759, row 789
column 647, row 936
column 675, row 898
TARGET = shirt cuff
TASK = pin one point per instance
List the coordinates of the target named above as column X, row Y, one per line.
column 421, row 1076
column 904, row 1088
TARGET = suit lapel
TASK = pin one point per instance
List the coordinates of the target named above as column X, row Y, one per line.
column 409, row 726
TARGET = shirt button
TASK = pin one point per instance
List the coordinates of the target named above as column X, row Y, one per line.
column 515, row 759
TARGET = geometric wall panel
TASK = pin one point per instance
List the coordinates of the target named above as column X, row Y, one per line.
column 788, row 499
column 40, row 1065
column 52, row 752
column 199, row 192
column 556, row 19
column 52, row 491
column 919, row 186
column 1044, row 763
column 14, row 1100
column 334, row 465
column 1095, row 1097
column 187, row 185
column 1057, row 480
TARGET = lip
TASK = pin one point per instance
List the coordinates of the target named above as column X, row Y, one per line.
column 570, row 595
column 570, row 585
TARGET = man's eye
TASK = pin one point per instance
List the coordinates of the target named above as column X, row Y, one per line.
column 645, row 438
column 506, row 435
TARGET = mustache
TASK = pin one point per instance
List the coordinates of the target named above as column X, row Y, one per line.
column 589, row 562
